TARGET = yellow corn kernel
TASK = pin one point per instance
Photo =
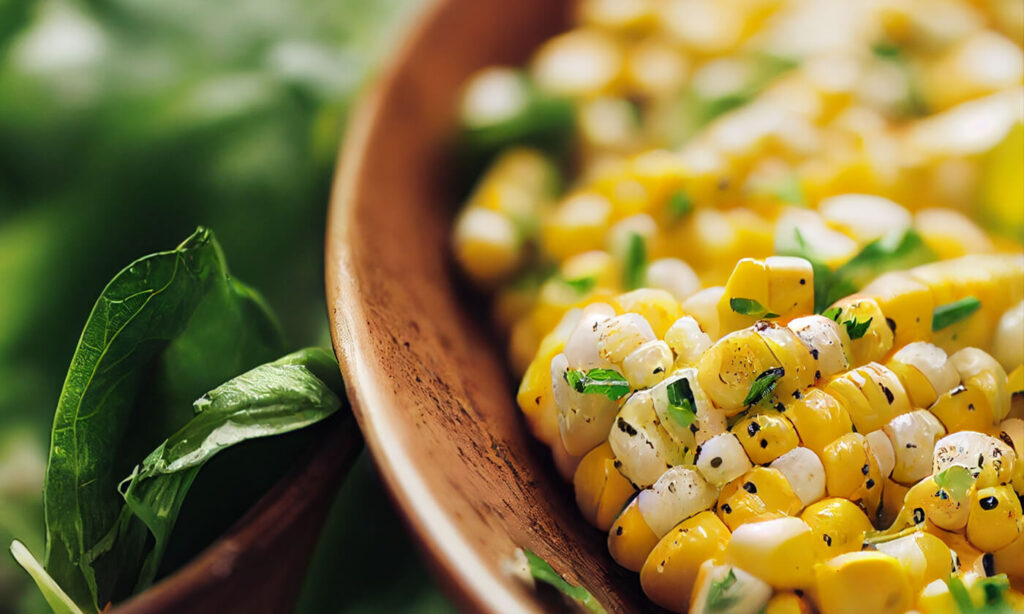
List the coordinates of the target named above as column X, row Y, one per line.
column 577, row 225
column 964, row 408
column 759, row 493
column 658, row 307
column 893, row 495
column 535, row 396
column 851, row 471
column 839, row 526
column 630, row 540
column 872, row 395
column 1010, row 559
column 864, row 581
column 877, row 340
column 951, row 234
column 995, row 520
column 775, row 285
column 925, row 372
column 924, row 557
column 729, row 367
column 907, row 304
column 703, row 306
column 487, row 244
column 670, row 570
column 765, row 436
column 819, row 419
column 601, row 491
column 780, row 551
column 794, row 356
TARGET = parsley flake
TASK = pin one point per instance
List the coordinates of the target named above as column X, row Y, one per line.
column 718, row 597
column 857, row 328
column 635, row 269
column 679, row 205
column 582, row 285
column 542, row 570
column 750, row 307
column 763, row 385
column 951, row 313
column 681, row 405
column 608, row 382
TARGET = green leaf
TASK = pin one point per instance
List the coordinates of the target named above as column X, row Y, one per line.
column 833, row 313
column 763, row 385
column 718, row 599
column 635, row 267
column 993, row 591
column 790, row 191
column 582, row 285
column 856, row 328
column 681, row 404
column 55, row 597
column 750, row 307
column 542, row 570
column 177, row 315
column 608, row 382
column 887, row 50
column 955, row 480
column 679, row 205
column 951, row 313
column 291, row 393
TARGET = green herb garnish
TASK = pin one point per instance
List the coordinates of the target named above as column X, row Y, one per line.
column 856, row 328
column 608, row 382
column 718, row 600
column 993, row 594
column 679, row 205
column 763, row 385
column 681, row 405
column 635, row 269
column 582, row 285
column 955, row 480
column 951, row 313
column 832, row 313
column 790, row 191
column 750, row 307
column 542, row 570
column 886, row 50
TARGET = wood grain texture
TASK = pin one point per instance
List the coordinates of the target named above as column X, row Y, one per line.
column 426, row 379
column 259, row 565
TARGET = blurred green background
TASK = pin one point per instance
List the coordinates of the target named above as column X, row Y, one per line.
column 124, row 124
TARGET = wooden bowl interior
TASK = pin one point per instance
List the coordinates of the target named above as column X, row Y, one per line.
column 427, row 380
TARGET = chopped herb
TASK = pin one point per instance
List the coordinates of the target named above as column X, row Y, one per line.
column 679, row 205
column 886, row 50
column 763, row 385
column 790, row 191
column 955, row 480
column 635, row 270
column 951, row 313
column 582, row 285
column 993, row 591
column 750, row 307
column 856, row 328
column 542, row 570
column 681, row 405
column 608, row 382
column 718, row 599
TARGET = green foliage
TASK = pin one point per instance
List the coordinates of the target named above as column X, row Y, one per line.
column 750, row 307
column 635, row 266
column 542, row 570
column 681, row 405
column 608, row 382
column 951, row 313
column 763, row 386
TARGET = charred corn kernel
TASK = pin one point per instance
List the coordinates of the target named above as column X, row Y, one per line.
column 827, row 342
column 581, row 62
column 951, row 234
column 991, row 460
column 907, row 304
column 646, row 365
column 630, row 540
column 947, row 507
column 995, row 519
column 979, row 370
column 581, row 347
column 925, row 371
column 765, row 436
column 583, row 418
column 642, row 446
column 759, row 493
column 851, row 472
column 687, row 341
column 819, row 419
column 864, row 217
column 722, row 459
column 601, row 491
column 925, row 558
column 913, row 436
column 620, row 335
column 576, row 225
column 757, row 289
column 780, row 551
column 787, row 602
column 726, row 589
column 877, row 338
column 872, row 395
column 839, row 526
column 680, row 492
column 668, row 574
column 803, row 470
column 795, row 357
column 688, row 429
column 658, row 307
column 863, row 582
column 729, row 367
column 703, row 306
column 487, row 244
column 1009, row 339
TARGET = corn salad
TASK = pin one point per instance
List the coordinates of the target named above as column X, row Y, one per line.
column 759, row 264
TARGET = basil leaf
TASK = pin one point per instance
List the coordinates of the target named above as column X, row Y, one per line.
column 635, row 269
column 955, row 480
column 717, row 598
column 763, row 385
column 679, row 205
column 608, row 382
column 582, row 285
column 542, row 570
column 856, row 328
column 288, row 394
column 177, row 315
column 750, row 307
column 832, row 313
column 681, row 405
column 895, row 251
column 951, row 313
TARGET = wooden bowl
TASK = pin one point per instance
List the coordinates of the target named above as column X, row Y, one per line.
column 426, row 379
